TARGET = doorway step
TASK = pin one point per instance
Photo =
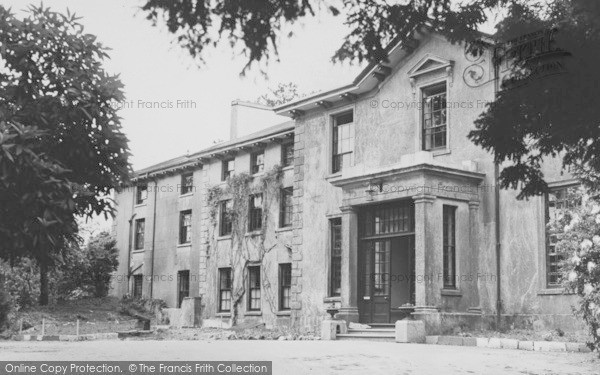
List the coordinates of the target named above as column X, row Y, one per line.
column 376, row 332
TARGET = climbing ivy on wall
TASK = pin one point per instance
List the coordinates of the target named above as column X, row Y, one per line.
column 247, row 248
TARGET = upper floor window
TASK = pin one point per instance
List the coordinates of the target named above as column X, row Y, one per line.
column 254, row 288
column 187, row 183
column 343, row 141
column 434, row 117
column 336, row 256
column 185, row 227
column 449, row 250
column 286, row 207
column 287, row 154
column 141, row 194
column 257, row 162
column 255, row 212
column 558, row 200
column 225, row 224
column 140, row 225
column 228, row 169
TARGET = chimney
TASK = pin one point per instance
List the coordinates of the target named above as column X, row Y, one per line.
column 248, row 118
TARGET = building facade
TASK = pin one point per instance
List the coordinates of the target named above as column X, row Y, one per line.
column 369, row 200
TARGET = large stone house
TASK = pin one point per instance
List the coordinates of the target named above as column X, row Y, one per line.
column 380, row 208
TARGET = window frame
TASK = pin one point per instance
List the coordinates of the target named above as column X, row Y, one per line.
column 336, row 165
column 180, row 286
column 138, row 244
column 222, row 290
column 187, row 228
column 139, row 200
column 255, row 167
column 335, row 261
column 250, row 306
column 285, row 286
column 449, row 248
column 225, row 172
column 255, row 219
column 286, row 159
column 423, row 129
column 186, row 189
column 286, row 213
column 225, row 222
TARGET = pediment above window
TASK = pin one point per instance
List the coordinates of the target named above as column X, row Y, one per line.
column 430, row 63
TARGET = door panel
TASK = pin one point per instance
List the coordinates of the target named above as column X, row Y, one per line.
column 375, row 261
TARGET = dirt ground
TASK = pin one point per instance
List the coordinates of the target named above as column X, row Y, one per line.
column 319, row 357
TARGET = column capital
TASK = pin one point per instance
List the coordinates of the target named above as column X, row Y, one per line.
column 424, row 198
column 347, row 209
column 473, row 205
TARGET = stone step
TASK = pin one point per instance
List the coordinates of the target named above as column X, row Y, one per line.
column 368, row 331
column 369, row 337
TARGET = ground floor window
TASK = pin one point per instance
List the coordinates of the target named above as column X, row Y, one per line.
column 183, row 286
column 449, row 234
column 285, row 284
column 336, row 257
column 224, row 289
column 138, row 281
column 254, row 288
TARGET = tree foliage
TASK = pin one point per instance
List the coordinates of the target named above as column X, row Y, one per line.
column 554, row 116
column 62, row 151
column 579, row 243
column 283, row 93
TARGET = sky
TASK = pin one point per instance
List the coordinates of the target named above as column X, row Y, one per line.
column 154, row 69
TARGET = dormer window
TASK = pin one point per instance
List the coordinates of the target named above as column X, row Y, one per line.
column 434, row 117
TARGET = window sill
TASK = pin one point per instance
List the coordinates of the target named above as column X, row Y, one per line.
column 258, row 174
column 284, row 313
column 223, row 238
column 284, row 229
column 288, row 168
column 440, row 152
column 254, row 233
column 137, row 251
column 332, row 299
column 223, row 315
column 552, row 292
column 253, row 313
column 333, row 175
column 188, row 244
column 186, row 195
column 451, row 292
column 137, row 205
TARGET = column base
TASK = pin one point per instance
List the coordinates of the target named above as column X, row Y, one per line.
column 348, row 313
column 430, row 315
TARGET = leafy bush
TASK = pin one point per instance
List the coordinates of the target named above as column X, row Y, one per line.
column 579, row 243
column 5, row 307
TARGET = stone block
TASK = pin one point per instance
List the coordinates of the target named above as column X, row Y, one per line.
column 494, row 343
column 450, row 340
column 329, row 330
column 509, row 343
column 410, row 331
column 526, row 345
column 431, row 340
column 482, row 342
column 549, row 346
column 572, row 346
column 469, row 341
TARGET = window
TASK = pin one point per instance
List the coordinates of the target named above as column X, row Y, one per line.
column 343, row 141
column 225, row 224
column 557, row 201
column 255, row 212
column 187, row 183
column 138, row 281
column 434, row 117
column 254, row 288
column 224, row 289
column 141, row 194
column 286, row 207
column 287, row 154
column 257, row 162
column 139, row 234
column 285, row 284
column 335, row 282
column 185, row 227
column 183, row 286
column 449, row 233
column 228, row 168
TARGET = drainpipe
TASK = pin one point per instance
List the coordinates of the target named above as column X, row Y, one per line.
column 153, row 238
column 129, row 246
column 497, row 207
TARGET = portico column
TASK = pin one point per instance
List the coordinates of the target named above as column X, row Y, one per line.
column 426, row 295
column 349, row 288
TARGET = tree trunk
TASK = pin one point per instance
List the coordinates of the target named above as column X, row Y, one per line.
column 43, row 283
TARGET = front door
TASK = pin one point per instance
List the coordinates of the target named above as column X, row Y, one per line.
column 375, row 283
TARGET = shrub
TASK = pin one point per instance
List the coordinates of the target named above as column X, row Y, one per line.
column 5, row 307
column 579, row 243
